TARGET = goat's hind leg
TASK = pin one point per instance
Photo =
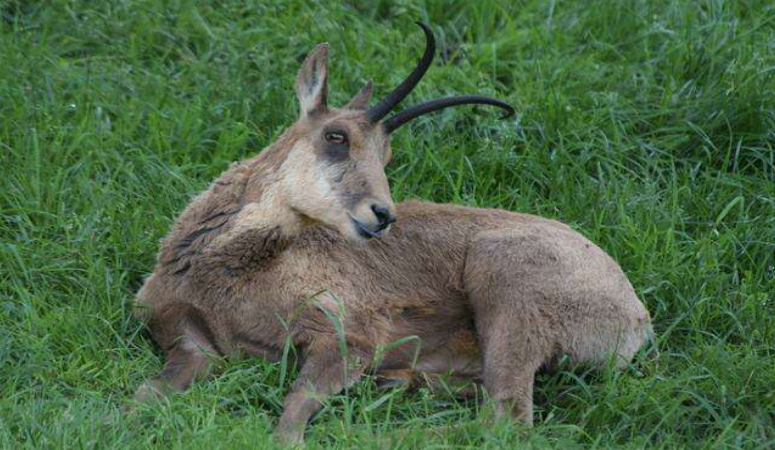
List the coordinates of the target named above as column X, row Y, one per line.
column 512, row 354
column 515, row 336
column 514, row 346
column 540, row 293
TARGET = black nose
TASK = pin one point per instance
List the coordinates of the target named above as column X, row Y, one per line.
column 383, row 216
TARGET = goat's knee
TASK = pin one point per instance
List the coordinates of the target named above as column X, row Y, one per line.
column 186, row 361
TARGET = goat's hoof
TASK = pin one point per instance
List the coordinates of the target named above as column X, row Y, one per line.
column 290, row 439
column 149, row 391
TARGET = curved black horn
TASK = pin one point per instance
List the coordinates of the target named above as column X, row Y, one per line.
column 381, row 109
column 434, row 105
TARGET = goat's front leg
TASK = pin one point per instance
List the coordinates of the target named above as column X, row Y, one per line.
column 325, row 372
column 186, row 361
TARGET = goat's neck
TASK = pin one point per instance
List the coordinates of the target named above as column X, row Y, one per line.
column 264, row 207
column 243, row 211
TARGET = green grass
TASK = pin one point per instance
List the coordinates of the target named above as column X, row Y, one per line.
column 647, row 125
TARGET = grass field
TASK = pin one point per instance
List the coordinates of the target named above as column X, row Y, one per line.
column 647, row 125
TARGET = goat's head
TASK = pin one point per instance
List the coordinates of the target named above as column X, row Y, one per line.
column 334, row 171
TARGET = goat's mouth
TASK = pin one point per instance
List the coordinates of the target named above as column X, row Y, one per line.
column 365, row 231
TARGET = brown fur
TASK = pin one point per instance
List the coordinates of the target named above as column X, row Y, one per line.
column 268, row 253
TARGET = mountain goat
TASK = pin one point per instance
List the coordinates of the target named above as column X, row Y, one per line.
column 306, row 232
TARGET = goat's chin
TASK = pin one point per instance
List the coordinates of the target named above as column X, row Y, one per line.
column 344, row 228
column 356, row 233
column 350, row 232
column 347, row 228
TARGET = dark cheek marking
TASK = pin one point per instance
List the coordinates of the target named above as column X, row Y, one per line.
column 353, row 199
column 352, row 164
column 334, row 154
column 338, row 179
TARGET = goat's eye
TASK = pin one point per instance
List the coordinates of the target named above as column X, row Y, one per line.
column 336, row 137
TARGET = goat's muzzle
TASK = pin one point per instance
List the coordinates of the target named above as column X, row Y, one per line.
column 384, row 218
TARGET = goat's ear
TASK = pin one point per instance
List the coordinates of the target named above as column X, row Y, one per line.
column 362, row 98
column 312, row 81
